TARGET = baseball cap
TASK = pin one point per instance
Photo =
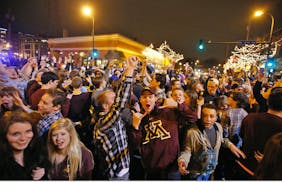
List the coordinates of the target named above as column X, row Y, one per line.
column 148, row 90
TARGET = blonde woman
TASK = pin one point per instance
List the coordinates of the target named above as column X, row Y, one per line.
column 70, row 159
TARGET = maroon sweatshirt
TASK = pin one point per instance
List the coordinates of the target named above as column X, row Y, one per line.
column 158, row 137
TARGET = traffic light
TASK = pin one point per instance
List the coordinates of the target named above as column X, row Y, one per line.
column 201, row 45
column 270, row 64
column 95, row 54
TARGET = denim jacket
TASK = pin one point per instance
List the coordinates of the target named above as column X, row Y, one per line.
column 199, row 156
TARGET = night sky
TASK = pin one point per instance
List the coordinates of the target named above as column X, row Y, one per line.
column 180, row 22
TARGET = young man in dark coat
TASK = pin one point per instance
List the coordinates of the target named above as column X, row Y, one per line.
column 257, row 128
column 155, row 131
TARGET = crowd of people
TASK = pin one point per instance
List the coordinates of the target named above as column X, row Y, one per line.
column 132, row 123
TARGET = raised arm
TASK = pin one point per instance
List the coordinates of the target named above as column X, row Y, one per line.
column 26, row 70
column 122, row 95
column 257, row 89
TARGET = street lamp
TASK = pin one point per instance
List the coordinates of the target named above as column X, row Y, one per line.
column 87, row 11
column 259, row 13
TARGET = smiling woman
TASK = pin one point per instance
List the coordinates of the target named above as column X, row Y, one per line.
column 20, row 151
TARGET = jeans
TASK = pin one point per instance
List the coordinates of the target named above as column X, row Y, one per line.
column 166, row 174
column 174, row 175
column 203, row 177
column 125, row 177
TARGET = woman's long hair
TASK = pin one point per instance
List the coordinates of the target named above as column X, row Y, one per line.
column 73, row 149
column 271, row 165
column 6, row 151
column 193, row 99
column 241, row 99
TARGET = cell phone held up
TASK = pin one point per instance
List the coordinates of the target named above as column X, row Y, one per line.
column 200, row 94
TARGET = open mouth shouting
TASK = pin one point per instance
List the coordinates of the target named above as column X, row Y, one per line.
column 60, row 144
column 61, row 138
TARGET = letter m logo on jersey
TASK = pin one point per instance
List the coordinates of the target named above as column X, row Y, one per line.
column 155, row 130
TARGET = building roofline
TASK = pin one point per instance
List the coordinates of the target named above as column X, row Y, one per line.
column 115, row 37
